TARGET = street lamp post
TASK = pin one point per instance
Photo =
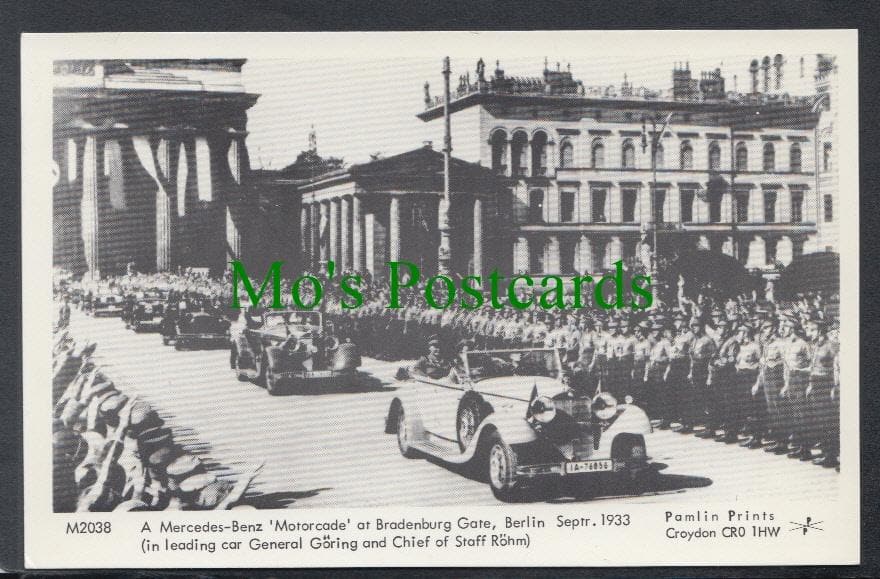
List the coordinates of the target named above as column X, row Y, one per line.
column 444, row 252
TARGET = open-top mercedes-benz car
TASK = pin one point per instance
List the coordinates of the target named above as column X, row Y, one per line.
column 512, row 415
column 294, row 348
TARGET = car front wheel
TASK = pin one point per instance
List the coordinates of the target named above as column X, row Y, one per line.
column 469, row 417
column 502, row 463
column 404, row 435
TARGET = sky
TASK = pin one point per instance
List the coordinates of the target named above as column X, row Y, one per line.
column 367, row 104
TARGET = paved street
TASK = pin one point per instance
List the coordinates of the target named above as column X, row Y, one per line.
column 330, row 449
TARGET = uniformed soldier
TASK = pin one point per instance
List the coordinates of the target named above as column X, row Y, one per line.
column 433, row 364
column 723, row 401
column 748, row 363
column 797, row 358
column 678, row 382
column 820, row 396
column 702, row 353
column 642, row 346
column 659, row 400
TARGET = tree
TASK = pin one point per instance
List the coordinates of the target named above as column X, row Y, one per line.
column 310, row 164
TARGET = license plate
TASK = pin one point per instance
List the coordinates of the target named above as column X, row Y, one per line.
column 589, row 466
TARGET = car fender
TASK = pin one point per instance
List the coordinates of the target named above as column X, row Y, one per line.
column 632, row 420
column 413, row 413
column 511, row 425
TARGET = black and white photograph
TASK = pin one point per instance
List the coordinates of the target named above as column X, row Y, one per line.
column 511, row 273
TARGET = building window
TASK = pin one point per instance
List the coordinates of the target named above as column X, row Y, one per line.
column 566, row 257
column 566, row 155
column 630, row 196
column 714, row 156
column 597, row 209
column 742, row 157
column 797, row 206
column 715, row 208
column 770, row 250
column 659, row 202
column 658, row 156
column 71, row 160
column 794, row 156
column 114, row 172
column 686, row 156
column 687, row 205
column 566, row 206
column 826, row 157
column 769, row 157
column 539, row 154
column 520, row 153
column 829, row 208
column 769, row 206
column 597, row 154
column 536, row 256
column 536, row 206
column 499, row 152
column 628, row 155
column 742, row 207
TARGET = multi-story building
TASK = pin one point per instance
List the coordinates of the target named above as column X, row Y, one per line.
column 826, row 152
column 150, row 158
column 733, row 172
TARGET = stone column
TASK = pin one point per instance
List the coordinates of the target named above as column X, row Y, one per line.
column 345, row 234
column 315, row 235
column 334, row 230
column 478, row 236
column 394, row 240
column 726, row 208
column 324, row 232
column 163, row 209
column 89, row 208
column 305, row 235
column 521, row 255
column 783, row 206
column 357, row 234
column 233, row 232
column 509, row 157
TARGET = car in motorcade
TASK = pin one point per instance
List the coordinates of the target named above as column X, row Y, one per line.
column 296, row 349
column 146, row 309
column 190, row 323
column 106, row 301
column 513, row 418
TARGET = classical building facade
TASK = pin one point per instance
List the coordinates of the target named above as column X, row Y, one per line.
column 150, row 158
column 386, row 210
column 733, row 172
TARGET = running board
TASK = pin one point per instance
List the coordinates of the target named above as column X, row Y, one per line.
column 443, row 449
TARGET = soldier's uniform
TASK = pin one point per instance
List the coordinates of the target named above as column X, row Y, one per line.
column 658, row 396
column 821, row 408
column 748, row 363
column 642, row 346
column 703, row 351
column 797, row 372
column 723, row 399
column 678, row 383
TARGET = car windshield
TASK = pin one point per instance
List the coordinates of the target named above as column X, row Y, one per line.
column 304, row 319
column 495, row 364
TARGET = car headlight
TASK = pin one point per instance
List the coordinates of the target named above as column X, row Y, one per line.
column 543, row 409
column 604, row 406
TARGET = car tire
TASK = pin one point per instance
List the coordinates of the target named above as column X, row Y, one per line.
column 404, row 435
column 178, row 346
column 233, row 363
column 467, row 420
column 501, row 463
column 272, row 382
column 260, row 365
